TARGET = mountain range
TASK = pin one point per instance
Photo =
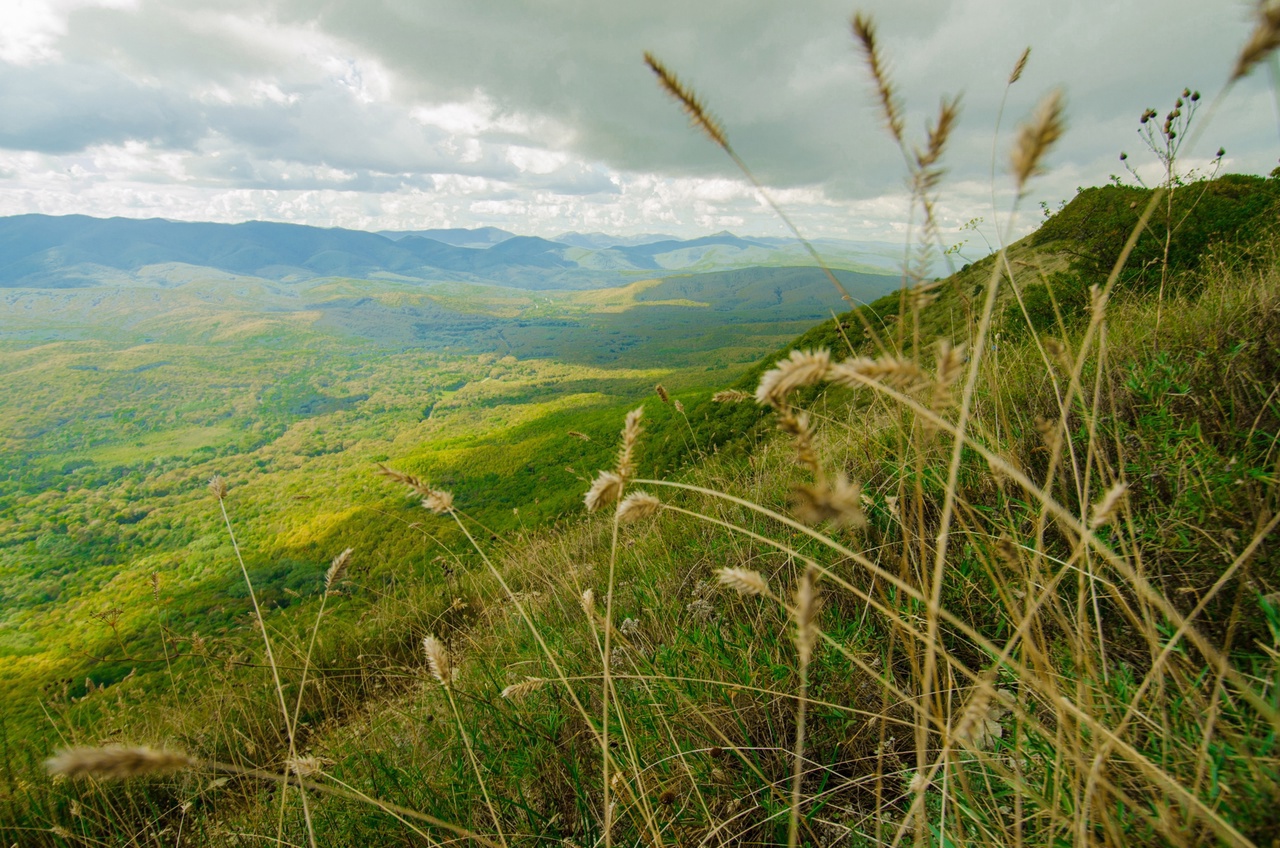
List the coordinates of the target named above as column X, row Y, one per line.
column 41, row 251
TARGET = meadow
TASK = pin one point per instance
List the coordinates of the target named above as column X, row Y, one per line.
column 988, row 560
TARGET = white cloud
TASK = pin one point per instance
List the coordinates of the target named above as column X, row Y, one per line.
column 542, row 118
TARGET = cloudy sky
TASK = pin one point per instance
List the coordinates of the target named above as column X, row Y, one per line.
column 540, row 117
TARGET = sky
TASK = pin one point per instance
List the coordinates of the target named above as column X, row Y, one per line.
column 541, row 117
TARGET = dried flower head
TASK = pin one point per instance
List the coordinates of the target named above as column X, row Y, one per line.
column 801, row 368
column 438, row 661
column 744, row 581
column 626, row 467
column 605, row 490
column 337, row 570
column 116, row 762
column 698, row 113
column 678, row 405
column 838, row 501
column 1036, row 137
column 638, row 506
column 218, row 486
column 588, row 602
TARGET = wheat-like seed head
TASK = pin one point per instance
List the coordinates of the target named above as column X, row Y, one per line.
column 218, row 485
column 1020, row 66
column 1264, row 39
column 801, row 368
column 937, row 134
column 1036, row 137
column 698, row 113
column 730, row 396
column 979, row 725
column 638, row 506
column 438, row 501
column 890, row 370
column 805, row 613
column 744, row 581
column 796, row 424
column 1105, row 509
column 303, row 766
column 337, row 570
column 521, row 690
column 864, row 31
column 951, row 360
column 438, row 661
column 626, row 467
column 662, row 393
column 838, row 501
column 155, row 586
column 583, row 436
column 678, row 405
column 417, row 486
column 116, row 762
column 605, row 490
column 588, row 602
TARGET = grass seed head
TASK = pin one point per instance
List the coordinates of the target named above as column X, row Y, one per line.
column 890, row 370
column 638, row 506
column 438, row 662
column 116, row 762
column 605, row 490
column 1105, row 509
column 337, row 570
column 520, row 691
column 1264, row 39
column 662, row 393
column 698, row 113
column 626, row 467
column 218, row 485
column 417, row 486
column 1036, row 137
column 838, row 502
column 801, row 368
column 730, row 396
column 1020, row 66
column 744, row 581
column 438, row 501
column 864, row 31
column 806, row 613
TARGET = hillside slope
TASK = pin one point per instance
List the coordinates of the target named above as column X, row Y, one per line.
column 826, row 607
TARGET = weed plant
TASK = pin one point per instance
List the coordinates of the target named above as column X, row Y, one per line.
column 1004, row 575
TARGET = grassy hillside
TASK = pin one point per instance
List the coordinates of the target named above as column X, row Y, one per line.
column 118, row 403
column 826, row 616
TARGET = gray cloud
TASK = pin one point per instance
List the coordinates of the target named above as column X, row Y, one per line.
column 66, row 107
column 298, row 95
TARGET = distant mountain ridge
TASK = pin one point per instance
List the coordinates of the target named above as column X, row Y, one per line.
column 41, row 251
